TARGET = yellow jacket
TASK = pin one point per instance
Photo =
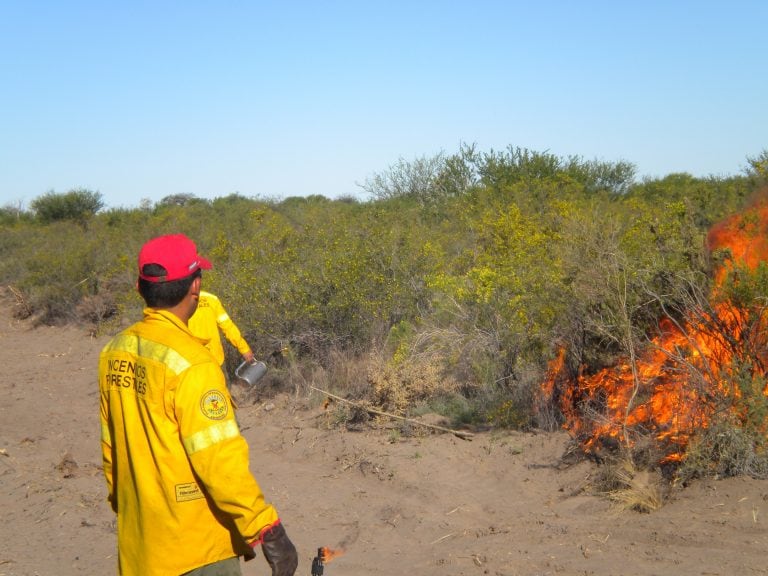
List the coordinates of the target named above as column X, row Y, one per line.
column 175, row 463
column 208, row 319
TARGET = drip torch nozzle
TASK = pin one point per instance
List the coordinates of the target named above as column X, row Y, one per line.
column 317, row 563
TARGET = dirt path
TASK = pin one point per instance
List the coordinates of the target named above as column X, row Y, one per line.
column 433, row 505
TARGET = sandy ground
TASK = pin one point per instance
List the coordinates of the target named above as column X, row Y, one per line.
column 502, row 504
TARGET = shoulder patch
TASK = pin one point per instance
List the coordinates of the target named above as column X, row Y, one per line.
column 214, row 405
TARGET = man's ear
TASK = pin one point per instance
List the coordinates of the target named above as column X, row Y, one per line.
column 195, row 288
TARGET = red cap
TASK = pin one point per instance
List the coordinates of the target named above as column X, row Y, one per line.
column 174, row 252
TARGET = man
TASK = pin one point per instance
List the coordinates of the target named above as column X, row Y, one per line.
column 175, row 463
column 210, row 318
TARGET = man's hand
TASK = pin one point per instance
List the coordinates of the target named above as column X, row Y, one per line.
column 248, row 357
column 279, row 551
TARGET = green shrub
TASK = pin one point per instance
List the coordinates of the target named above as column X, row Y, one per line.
column 448, row 291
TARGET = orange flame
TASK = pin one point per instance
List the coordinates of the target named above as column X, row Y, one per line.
column 329, row 554
column 674, row 388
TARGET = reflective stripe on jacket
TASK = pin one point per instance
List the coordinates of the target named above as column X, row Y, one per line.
column 208, row 319
column 175, row 463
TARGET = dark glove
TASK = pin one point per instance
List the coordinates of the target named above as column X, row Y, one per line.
column 279, row 551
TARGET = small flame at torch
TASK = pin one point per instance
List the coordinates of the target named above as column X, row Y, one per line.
column 328, row 554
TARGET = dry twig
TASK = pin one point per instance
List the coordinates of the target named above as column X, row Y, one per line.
column 459, row 433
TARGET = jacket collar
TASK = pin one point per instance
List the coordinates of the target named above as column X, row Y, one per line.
column 160, row 315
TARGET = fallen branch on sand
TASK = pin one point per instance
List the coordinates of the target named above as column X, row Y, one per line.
column 459, row 433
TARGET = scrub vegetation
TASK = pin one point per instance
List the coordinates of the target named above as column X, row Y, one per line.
column 449, row 290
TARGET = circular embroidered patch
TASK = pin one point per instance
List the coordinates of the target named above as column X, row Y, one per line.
column 214, row 405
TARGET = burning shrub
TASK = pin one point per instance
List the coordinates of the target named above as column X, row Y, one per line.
column 698, row 388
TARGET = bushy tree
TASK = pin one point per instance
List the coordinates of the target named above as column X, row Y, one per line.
column 708, row 200
column 406, row 179
column 181, row 199
column 500, row 169
column 13, row 213
column 78, row 205
column 757, row 168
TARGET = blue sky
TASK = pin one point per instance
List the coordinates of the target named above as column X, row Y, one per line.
column 143, row 99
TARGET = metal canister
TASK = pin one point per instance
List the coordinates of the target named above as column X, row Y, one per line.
column 251, row 372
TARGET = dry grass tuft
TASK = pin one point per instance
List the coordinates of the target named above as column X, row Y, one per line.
column 637, row 490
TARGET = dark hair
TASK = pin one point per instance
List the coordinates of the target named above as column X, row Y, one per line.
column 164, row 294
